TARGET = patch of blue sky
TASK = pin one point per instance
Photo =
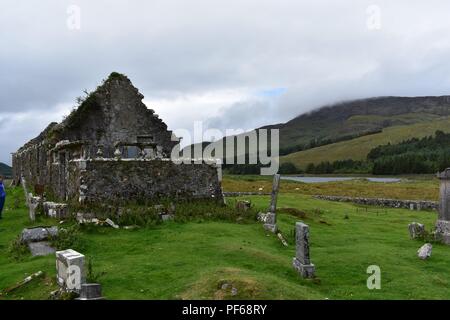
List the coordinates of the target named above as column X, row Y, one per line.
column 270, row 93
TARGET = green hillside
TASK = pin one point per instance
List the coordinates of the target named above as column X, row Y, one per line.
column 357, row 149
column 347, row 120
column 355, row 119
column 5, row 170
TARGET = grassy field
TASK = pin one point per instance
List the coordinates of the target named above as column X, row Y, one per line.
column 410, row 188
column 357, row 149
column 192, row 260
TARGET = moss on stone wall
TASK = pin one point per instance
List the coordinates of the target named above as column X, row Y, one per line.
column 76, row 117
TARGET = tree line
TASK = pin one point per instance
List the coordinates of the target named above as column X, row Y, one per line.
column 429, row 154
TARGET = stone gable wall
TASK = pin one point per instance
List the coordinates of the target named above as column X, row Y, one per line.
column 75, row 160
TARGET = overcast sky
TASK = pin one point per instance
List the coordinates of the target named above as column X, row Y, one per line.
column 231, row 64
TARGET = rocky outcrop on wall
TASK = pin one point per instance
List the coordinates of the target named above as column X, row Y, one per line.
column 391, row 203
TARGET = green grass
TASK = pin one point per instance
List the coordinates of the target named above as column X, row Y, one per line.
column 192, row 260
column 357, row 149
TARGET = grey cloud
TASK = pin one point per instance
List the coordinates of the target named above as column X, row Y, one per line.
column 320, row 51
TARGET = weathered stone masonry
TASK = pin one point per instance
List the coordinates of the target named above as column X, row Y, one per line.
column 391, row 203
column 112, row 148
column 140, row 179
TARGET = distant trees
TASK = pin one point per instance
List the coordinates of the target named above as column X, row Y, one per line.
column 340, row 166
column 288, row 168
column 426, row 155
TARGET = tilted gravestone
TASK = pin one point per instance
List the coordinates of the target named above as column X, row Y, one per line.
column 302, row 262
column 416, row 230
column 271, row 217
column 37, row 240
column 443, row 222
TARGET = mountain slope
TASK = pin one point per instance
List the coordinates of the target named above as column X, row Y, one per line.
column 349, row 130
column 358, row 117
column 5, row 170
column 357, row 149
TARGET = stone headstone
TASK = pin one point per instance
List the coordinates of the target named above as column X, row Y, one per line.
column 271, row 217
column 33, row 203
column 274, row 195
column 38, row 234
column 425, row 251
column 91, row 291
column 270, row 220
column 302, row 262
column 443, row 222
column 70, row 272
column 84, row 218
column 56, row 210
column 42, row 248
column 416, row 230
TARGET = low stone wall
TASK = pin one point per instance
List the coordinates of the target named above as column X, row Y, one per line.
column 122, row 181
column 240, row 194
column 391, row 203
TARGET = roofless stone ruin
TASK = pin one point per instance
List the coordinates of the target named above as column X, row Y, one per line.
column 112, row 148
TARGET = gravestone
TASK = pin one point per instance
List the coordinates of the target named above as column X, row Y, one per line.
column 41, row 248
column 70, row 272
column 443, row 222
column 91, row 291
column 271, row 217
column 37, row 240
column 33, row 203
column 38, row 234
column 302, row 262
column 416, row 230
column 56, row 210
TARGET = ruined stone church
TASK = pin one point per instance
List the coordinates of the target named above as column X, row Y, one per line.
column 112, row 148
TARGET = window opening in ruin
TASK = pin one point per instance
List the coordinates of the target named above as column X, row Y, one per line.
column 130, row 152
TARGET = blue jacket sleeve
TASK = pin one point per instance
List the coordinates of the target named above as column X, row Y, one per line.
column 2, row 191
